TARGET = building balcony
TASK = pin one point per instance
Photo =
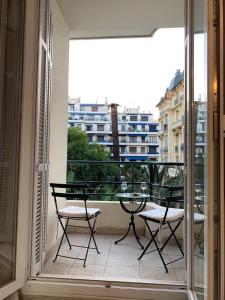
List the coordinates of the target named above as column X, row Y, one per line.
column 165, row 149
column 117, row 261
column 177, row 124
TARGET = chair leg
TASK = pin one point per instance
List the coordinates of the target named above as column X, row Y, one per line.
column 64, row 233
column 148, row 245
column 89, row 242
column 172, row 234
column 156, row 245
column 153, row 236
column 198, row 242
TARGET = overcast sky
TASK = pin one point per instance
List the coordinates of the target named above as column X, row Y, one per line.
column 130, row 72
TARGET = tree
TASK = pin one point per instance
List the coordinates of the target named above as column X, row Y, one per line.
column 77, row 144
column 78, row 147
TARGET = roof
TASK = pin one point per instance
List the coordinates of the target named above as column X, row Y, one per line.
column 176, row 80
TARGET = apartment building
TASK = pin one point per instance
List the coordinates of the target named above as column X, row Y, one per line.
column 138, row 132
column 171, row 122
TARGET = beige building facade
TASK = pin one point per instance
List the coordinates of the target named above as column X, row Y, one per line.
column 171, row 121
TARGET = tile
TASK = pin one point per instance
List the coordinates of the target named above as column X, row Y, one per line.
column 122, row 272
column 117, row 261
column 61, row 266
column 88, row 271
column 158, row 274
column 128, row 245
column 180, row 274
column 179, row 264
column 123, row 259
column 153, row 260
column 93, row 259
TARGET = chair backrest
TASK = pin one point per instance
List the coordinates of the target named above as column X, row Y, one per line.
column 173, row 194
column 77, row 192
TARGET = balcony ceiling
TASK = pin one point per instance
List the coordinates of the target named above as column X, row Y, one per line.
column 120, row 18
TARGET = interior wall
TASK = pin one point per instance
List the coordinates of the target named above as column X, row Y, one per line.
column 58, row 114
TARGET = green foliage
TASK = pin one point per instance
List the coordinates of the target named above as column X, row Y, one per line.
column 78, row 147
column 77, row 144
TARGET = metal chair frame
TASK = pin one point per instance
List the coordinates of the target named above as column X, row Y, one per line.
column 74, row 196
column 153, row 233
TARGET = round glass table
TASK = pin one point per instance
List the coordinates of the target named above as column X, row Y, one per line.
column 140, row 201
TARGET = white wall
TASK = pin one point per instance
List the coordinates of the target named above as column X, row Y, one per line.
column 114, row 18
column 58, row 114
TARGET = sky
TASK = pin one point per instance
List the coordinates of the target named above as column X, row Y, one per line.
column 131, row 72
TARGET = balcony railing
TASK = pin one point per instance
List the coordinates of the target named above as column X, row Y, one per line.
column 104, row 178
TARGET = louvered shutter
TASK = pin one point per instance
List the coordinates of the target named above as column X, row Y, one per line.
column 10, row 107
column 42, row 139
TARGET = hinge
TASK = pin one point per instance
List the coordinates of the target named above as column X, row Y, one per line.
column 215, row 126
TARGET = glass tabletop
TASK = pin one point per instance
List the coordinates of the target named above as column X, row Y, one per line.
column 132, row 195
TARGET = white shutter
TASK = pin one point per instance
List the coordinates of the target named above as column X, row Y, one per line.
column 42, row 139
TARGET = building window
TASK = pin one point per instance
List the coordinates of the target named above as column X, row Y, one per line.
column 94, row 108
column 142, row 149
column 71, row 107
column 100, row 127
column 89, row 127
column 144, row 118
column 133, row 128
column 153, row 128
column 143, row 139
column 133, row 139
column 133, row 149
column 133, row 118
column 124, row 118
column 123, row 149
column 143, row 128
column 100, row 138
column 123, row 127
column 153, row 139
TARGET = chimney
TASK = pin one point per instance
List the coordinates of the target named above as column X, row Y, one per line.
column 115, row 134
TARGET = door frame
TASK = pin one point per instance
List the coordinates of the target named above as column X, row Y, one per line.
column 28, row 151
column 211, row 231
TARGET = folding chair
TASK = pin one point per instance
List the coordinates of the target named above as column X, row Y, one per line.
column 76, row 213
column 164, row 215
column 199, row 219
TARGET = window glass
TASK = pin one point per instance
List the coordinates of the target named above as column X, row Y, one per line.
column 11, row 37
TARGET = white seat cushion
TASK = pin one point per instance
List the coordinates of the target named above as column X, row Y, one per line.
column 199, row 218
column 79, row 212
column 159, row 213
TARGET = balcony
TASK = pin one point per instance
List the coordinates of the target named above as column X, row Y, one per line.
column 177, row 124
column 118, row 261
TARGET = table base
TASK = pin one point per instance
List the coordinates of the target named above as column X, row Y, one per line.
column 131, row 226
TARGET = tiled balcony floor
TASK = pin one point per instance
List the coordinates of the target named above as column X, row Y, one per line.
column 116, row 262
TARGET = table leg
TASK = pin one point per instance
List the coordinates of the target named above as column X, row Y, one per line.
column 131, row 224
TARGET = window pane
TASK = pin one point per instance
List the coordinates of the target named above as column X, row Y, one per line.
column 11, row 25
